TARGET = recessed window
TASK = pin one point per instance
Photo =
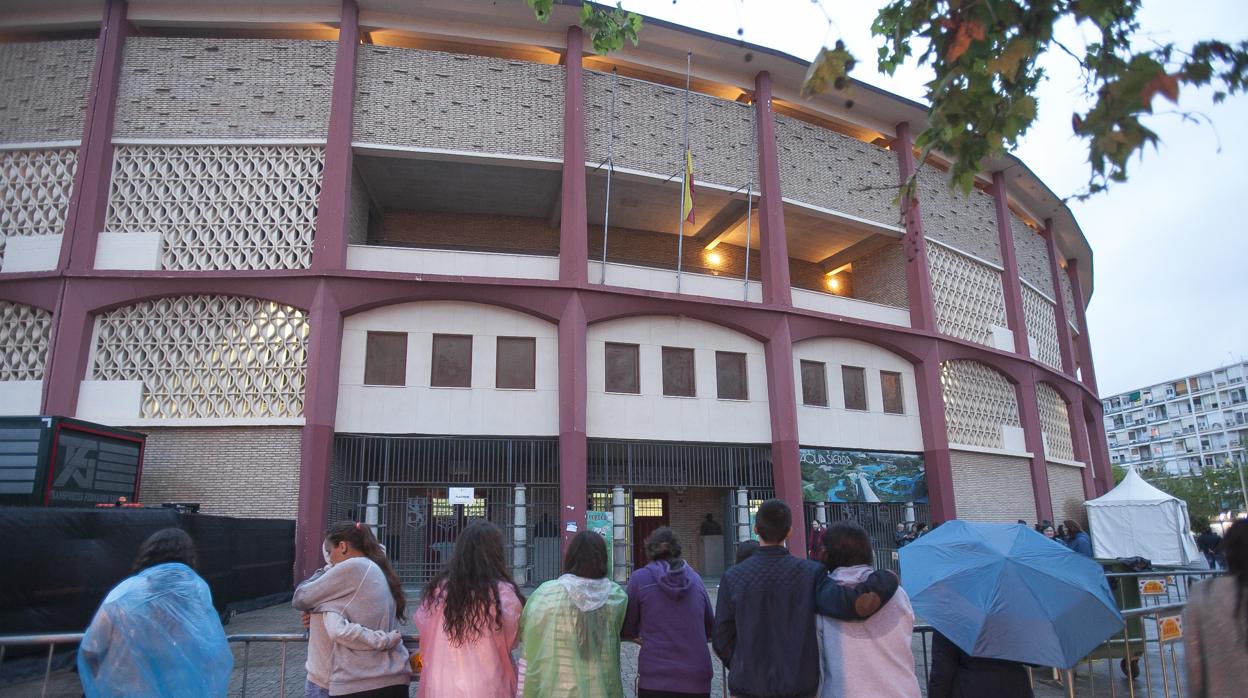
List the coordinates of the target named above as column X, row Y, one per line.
column 678, row 379
column 622, row 368
column 854, row 382
column 730, row 378
column 516, row 365
column 814, row 383
column 385, row 358
column 890, row 386
column 452, row 361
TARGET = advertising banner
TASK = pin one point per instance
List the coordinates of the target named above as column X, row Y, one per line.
column 601, row 522
column 836, row 475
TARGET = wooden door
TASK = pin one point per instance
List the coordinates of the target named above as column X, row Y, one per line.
column 649, row 512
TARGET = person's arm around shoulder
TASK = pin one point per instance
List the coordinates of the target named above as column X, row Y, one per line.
column 857, row 602
column 357, row 637
column 338, row 581
column 944, row 669
column 724, row 633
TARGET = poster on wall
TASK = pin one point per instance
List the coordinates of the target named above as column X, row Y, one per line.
column 837, row 475
column 600, row 522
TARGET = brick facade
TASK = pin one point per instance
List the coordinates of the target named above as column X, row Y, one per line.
column 225, row 88
column 649, row 130
column 1032, row 255
column 358, row 212
column 1068, row 297
column 428, row 99
column 686, row 511
column 43, row 90
column 880, row 277
column 990, row 487
column 827, row 169
column 230, row 471
column 968, row 222
column 1066, row 489
column 459, row 231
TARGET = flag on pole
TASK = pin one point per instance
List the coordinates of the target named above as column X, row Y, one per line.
column 686, row 206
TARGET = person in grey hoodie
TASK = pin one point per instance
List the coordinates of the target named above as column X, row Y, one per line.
column 670, row 612
column 356, row 604
column 571, row 628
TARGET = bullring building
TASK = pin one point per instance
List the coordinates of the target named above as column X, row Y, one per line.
column 419, row 263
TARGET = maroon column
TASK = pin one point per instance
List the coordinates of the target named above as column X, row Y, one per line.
column 786, row 466
column 329, row 244
column 774, row 247
column 573, row 225
column 320, row 406
column 1083, row 449
column 918, row 274
column 1013, row 287
column 1029, row 415
column 936, row 459
column 1081, row 319
column 573, row 388
column 67, row 357
column 1064, row 340
column 1095, row 420
column 88, row 204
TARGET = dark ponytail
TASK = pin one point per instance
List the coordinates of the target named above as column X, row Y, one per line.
column 360, row 537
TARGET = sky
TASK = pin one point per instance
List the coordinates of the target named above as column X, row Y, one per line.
column 1171, row 262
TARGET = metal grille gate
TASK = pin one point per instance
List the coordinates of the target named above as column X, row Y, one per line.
column 880, row 519
column 515, row 486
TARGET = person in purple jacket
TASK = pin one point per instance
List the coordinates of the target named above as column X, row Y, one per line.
column 670, row 614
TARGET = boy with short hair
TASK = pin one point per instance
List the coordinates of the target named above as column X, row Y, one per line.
column 765, row 614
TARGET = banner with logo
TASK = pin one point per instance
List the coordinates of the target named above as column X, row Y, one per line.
column 601, row 522
column 837, row 475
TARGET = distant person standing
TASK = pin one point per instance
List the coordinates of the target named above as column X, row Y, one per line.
column 710, row 527
column 1215, row 625
column 156, row 633
column 669, row 612
column 900, row 538
column 765, row 613
column 956, row 674
column 1210, row 544
column 1076, row 538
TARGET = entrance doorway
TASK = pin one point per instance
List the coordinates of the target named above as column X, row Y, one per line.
column 650, row 512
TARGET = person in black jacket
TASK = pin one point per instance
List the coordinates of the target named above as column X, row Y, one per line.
column 956, row 674
column 765, row 614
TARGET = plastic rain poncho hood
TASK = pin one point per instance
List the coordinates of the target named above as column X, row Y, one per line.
column 571, row 633
column 156, row 634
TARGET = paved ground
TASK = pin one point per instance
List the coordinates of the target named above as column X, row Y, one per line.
column 264, row 662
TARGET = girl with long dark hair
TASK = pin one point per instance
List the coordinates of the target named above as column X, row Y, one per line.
column 571, row 627
column 356, row 604
column 469, row 620
column 1215, row 624
column 670, row 613
column 157, row 633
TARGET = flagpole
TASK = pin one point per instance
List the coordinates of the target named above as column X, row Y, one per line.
column 684, row 180
column 606, row 206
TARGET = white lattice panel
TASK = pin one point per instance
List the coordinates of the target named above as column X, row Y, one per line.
column 24, row 332
column 1054, row 422
column 207, row 356
column 220, row 206
column 1041, row 318
column 978, row 402
column 968, row 295
column 34, row 191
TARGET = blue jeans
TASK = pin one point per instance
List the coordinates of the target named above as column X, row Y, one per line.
column 311, row 690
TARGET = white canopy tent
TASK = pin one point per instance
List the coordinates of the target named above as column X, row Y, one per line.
column 1136, row 519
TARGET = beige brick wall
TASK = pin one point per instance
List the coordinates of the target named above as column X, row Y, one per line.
column 1032, row 255
column 1066, row 490
column 428, row 99
column 358, row 213
column 43, row 90
column 225, row 88
column 485, row 233
column 968, row 223
column 990, row 487
column 1068, row 297
column 880, row 277
column 649, row 130
column 230, row 471
column 827, row 169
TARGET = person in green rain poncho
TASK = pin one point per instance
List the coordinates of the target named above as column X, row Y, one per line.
column 571, row 628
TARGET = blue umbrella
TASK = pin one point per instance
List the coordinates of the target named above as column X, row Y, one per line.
column 1007, row 592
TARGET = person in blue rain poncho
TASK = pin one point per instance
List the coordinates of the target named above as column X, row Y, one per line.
column 156, row 633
